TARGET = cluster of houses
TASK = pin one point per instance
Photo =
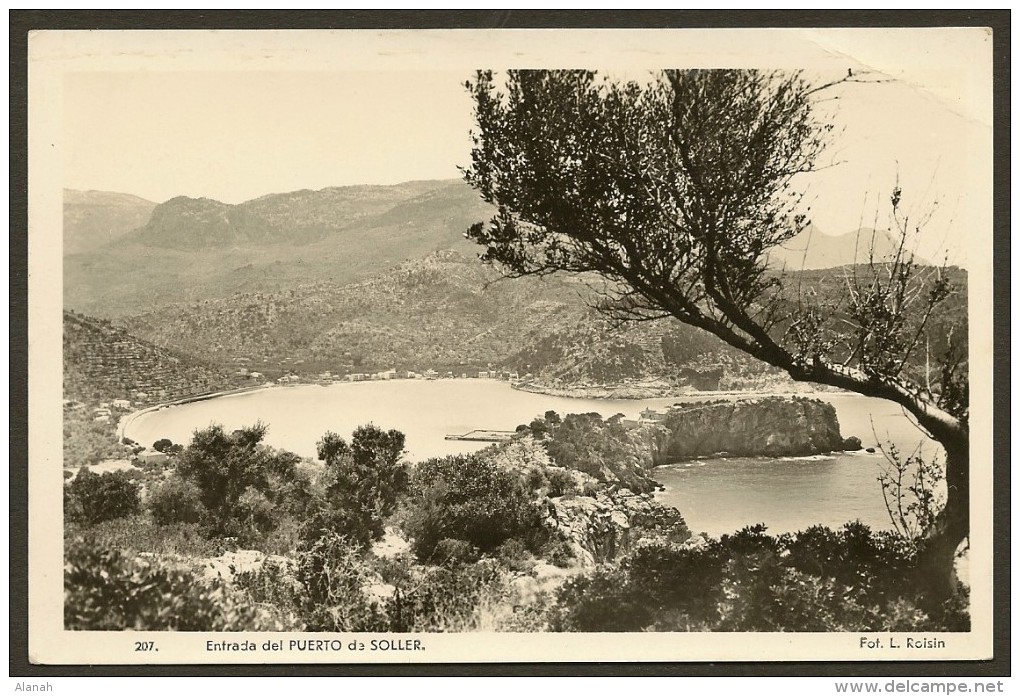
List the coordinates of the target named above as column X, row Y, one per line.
column 433, row 374
column 648, row 417
column 399, row 374
column 241, row 368
column 101, row 413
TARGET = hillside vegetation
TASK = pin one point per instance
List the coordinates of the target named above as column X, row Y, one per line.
column 445, row 312
column 103, row 362
column 365, row 278
column 199, row 249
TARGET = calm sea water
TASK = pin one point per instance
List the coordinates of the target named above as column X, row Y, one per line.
column 715, row 495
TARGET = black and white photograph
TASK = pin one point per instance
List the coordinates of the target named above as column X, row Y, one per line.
column 444, row 346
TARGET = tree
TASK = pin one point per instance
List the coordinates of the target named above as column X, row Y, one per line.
column 364, row 481
column 93, row 498
column 474, row 499
column 240, row 481
column 162, row 445
column 674, row 192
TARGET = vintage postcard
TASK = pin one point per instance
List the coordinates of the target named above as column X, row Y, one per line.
column 446, row 346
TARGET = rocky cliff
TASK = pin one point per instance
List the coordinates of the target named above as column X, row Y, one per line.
column 603, row 527
column 768, row 427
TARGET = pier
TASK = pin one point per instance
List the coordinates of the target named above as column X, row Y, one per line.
column 484, row 436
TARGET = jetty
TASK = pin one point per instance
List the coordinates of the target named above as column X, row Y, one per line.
column 484, row 436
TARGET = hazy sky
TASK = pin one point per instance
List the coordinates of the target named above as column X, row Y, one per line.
column 170, row 118
column 235, row 136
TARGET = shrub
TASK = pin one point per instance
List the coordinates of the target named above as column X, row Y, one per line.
column 850, row 579
column 140, row 534
column 443, row 598
column 515, row 555
column 558, row 552
column 334, row 581
column 453, row 552
column 353, row 525
column 175, row 501
column 560, row 483
column 274, row 585
column 105, row 590
column 602, row 600
column 254, row 516
column 471, row 499
column 162, row 445
column 242, row 484
column 91, row 498
column 363, row 482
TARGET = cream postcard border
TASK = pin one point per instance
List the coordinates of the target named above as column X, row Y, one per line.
column 52, row 54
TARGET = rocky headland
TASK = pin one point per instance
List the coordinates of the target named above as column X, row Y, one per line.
column 772, row 426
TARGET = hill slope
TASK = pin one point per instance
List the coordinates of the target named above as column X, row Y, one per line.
column 449, row 312
column 93, row 219
column 198, row 249
column 812, row 249
column 103, row 362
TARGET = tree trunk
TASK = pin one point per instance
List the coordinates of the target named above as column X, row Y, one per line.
column 951, row 527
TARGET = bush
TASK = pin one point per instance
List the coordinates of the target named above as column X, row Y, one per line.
column 243, row 486
column 91, row 498
column 140, row 534
column 558, row 552
column 459, row 598
column 274, row 585
column 162, row 445
column 515, row 555
column 453, row 552
column 176, row 501
column 850, row 579
column 105, row 590
column 602, row 600
column 560, row 483
column 334, row 580
column 363, row 482
column 471, row 499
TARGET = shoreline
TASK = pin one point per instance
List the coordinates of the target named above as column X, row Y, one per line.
column 652, row 389
column 659, row 390
column 127, row 420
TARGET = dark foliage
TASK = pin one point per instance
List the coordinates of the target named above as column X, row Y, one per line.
column 363, row 482
column 176, row 500
column 601, row 448
column 851, row 579
column 92, row 498
column 242, row 485
column 471, row 499
column 106, row 590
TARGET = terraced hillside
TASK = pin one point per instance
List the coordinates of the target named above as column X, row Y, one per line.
column 103, row 362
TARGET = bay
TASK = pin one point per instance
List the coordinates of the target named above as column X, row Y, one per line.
column 716, row 495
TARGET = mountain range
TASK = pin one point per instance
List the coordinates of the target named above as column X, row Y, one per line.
column 376, row 277
column 93, row 219
column 196, row 249
column 124, row 255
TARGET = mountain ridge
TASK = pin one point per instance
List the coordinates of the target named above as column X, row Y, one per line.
column 194, row 249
